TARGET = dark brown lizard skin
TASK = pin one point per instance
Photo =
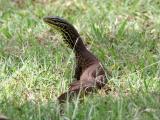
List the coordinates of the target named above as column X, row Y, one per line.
column 3, row 117
column 89, row 73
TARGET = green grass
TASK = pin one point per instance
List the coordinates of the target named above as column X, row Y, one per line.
column 36, row 66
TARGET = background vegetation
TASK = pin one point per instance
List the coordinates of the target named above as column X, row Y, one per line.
column 36, row 66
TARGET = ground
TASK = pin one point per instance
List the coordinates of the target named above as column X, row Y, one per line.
column 36, row 66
